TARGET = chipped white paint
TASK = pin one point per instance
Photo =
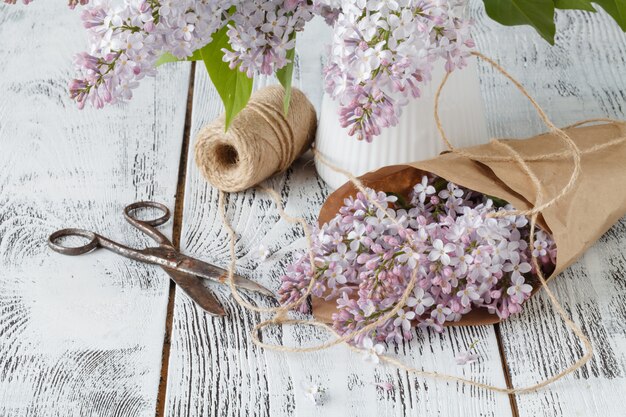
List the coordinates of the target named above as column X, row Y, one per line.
column 79, row 336
column 83, row 336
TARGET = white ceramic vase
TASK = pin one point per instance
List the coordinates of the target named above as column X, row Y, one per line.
column 415, row 137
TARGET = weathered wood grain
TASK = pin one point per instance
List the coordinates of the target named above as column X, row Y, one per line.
column 78, row 336
column 582, row 76
column 214, row 369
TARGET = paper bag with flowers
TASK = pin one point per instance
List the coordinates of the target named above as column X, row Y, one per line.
column 464, row 238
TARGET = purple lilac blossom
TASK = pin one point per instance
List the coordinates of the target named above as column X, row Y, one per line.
column 261, row 33
column 71, row 3
column 383, row 51
column 127, row 39
column 464, row 259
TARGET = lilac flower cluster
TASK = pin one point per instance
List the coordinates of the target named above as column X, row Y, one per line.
column 383, row 51
column 262, row 31
column 463, row 257
column 128, row 39
column 71, row 3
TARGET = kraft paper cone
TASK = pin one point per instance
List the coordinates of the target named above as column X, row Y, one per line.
column 576, row 221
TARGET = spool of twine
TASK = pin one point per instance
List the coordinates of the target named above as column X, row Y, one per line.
column 261, row 141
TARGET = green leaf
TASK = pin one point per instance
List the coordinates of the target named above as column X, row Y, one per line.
column 537, row 13
column 233, row 86
column 167, row 58
column 617, row 10
column 285, row 76
column 574, row 5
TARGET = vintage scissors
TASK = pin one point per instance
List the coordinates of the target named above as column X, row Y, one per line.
column 184, row 270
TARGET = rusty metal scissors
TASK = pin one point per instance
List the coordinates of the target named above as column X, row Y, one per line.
column 185, row 271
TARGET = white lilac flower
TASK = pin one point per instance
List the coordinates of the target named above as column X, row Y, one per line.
column 423, row 189
column 335, row 276
column 441, row 313
column 501, row 251
column 262, row 253
column 421, row 300
column 539, row 248
column 451, row 192
column 516, row 266
column 404, row 319
column 461, row 261
column 314, row 393
column 520, row 290
column 368, row 308
column 465, row 358
column 468, row 295
column 440, row 252
column 371, row 350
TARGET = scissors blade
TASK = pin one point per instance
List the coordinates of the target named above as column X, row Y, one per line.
column 217, row 274
column 200, row 294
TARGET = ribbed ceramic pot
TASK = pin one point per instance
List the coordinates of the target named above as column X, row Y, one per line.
column 415, row 137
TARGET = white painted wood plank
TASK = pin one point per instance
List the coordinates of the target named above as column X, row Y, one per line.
column 579, row 78
column 214, row 369
column 79, row 336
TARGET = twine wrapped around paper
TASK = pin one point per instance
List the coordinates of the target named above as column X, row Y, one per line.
column 614, row 137
column 262, row 140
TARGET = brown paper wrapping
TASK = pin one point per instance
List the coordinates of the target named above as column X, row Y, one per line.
column 576, row 221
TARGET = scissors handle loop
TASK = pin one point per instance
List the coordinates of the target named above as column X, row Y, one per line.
column 53, row 242
column 149, row 226
column 128, row 213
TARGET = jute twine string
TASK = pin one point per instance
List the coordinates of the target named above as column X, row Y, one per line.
column 281, row 317
column 261, row 141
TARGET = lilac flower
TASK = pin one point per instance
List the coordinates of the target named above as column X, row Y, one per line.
column 461, row 258
column 440, row 252
column 262, row 253
column 421, row 300
column 540, row 246
column 451, row 192
column 387, row 386
column 441, row 313
column 516, row 266
column 423, row 189
column 520, row 290
column 71, row 3
column 314, row 393
column 379, row 58
column 468, row 294
column 261, row 33
column 128, row 39
column 404, row 319
column 371, row 350
column 466, row 357
column 335, row 276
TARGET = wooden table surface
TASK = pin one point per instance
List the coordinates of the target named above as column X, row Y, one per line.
column 100, row 335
